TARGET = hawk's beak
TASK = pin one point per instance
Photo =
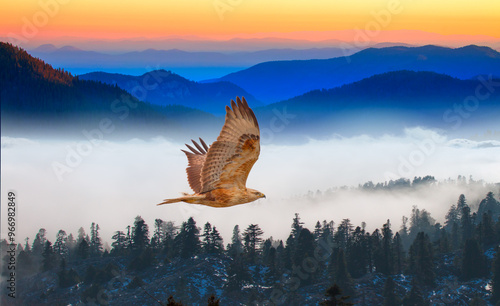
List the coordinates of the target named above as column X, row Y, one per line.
column 264, row 196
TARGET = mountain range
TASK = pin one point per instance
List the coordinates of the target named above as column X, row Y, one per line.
column 264, row 41
column 197, row 65
column 160, row 87
column 36, row 97
column 390, row 102
column 293, row 78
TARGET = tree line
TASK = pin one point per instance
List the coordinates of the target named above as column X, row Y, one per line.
column 335, row 254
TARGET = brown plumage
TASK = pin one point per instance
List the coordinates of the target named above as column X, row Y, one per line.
column 218, row 174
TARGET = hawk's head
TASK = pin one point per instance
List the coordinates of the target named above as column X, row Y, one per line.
column 255, row 194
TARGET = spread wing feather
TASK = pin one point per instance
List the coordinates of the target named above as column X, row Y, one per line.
column 230, row 158
column 196, row 159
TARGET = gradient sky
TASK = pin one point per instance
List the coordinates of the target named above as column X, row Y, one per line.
column 112, row 19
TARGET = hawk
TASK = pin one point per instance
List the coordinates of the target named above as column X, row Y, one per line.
column 218, row 174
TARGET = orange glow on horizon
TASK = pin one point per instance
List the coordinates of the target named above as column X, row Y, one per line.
column 223, row 19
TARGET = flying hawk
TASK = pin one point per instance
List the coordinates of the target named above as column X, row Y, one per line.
column 218, row 174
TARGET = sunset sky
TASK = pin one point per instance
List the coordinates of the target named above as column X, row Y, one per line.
column 221, row 19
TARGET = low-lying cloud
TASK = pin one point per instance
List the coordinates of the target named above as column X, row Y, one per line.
column 112, row 182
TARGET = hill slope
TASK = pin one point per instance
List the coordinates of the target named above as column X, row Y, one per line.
column 275, row 81
column 389, row 102
column 37, row 98
column 162, row 87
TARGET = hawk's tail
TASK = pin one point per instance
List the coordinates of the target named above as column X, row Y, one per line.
column 186, row 198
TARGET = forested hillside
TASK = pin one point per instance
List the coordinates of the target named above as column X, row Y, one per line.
column 421, row 263
column 36, row 98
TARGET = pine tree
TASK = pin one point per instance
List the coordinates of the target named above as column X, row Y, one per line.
column 128, row 239
column 390, row 296
column 317, row 231
column 49, row 259
column 358, row 253
column 168, row 241
column 95, row 241
column 474, row 262
column 39, row 243
column 159, row 234
column 399, row 254
column 386, row 262
column 374, row 247
column 217, row 242
column 238, row 275
column 455, row 236
column 140, row 235
column 25, row 264
column 71, row 244
column 327, row 231
column 466, row 223
column 270, row 260
column 452, row 216
column 421, row 262
column 491, row 205
column 119, row 243
column 81, row 235
column 252, row 239
column 206, row 241
column 420, row 221
column 486, row 228
column 296, row 226
column 404, row 234
column 444, row 242
column 83, row 249
column 188, row 240
column 341, row 275
column 495, row 280
column 461, row 203
column 343, row 235
column 305, row 250
column 27, row 245
column 60, row 246
column 236, row 246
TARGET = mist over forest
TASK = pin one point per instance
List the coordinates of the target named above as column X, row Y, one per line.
column 131, row 177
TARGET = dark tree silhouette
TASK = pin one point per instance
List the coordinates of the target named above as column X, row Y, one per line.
column 252, row 238
column 83, row 249
column 386, row 261
column 140, row 235
column 95, row 241
column 495, row 281
column 341, row 275
column 236, row 246
column 390, row 296
column 49, row 259
column 474, row 262
column 421, row 261
column 188, row 241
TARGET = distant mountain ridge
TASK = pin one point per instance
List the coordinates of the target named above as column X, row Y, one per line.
column 162, row 88
column 293, row 78
column 215, row 63
column 389, row 102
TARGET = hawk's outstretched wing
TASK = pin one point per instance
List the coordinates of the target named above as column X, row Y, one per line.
column 230, row 158
column 196, row 158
